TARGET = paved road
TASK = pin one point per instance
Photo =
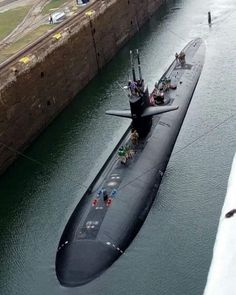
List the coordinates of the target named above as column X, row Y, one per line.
column 6, row 2
column 32, row 20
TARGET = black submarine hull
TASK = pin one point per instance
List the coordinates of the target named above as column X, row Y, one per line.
column 98, row 232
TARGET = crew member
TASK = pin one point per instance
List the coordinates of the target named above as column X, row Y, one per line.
column 128, row 152
column 122, row 154
column 133, row 87
column 182, row 57
column 134, row 136
column 50, row 19
column 140, row 86
column 105, row 196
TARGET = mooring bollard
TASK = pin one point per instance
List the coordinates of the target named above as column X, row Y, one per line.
column 209, row 17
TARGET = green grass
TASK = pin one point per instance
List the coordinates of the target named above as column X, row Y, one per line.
column 10, row 19
column 53, row 4
column 23, row 42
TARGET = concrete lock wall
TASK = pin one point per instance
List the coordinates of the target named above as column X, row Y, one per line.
column 34, row 94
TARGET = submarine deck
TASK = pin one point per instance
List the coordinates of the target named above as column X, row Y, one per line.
column 98, row 232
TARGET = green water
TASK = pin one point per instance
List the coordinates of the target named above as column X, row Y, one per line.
column 172, row 252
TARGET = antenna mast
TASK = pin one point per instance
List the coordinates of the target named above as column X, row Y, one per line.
column 139, row 65
column 132, row 65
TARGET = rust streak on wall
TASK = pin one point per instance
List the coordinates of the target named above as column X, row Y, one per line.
column 35, row 93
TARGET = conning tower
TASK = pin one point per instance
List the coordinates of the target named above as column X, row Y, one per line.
column 141, row 108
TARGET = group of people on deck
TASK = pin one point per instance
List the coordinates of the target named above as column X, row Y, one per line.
column 180, row 57
column 103, row 194
column 127, row 152
column 136, row 87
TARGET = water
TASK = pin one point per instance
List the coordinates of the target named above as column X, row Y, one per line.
column 172, row 252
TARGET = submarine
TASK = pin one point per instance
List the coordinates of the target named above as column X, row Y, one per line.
column 116, row 204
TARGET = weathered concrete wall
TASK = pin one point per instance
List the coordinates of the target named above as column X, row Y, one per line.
column 36, row 93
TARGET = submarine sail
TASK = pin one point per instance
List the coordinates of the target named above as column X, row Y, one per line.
column 117, row 202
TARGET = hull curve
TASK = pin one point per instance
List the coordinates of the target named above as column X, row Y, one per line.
column 99, row 231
